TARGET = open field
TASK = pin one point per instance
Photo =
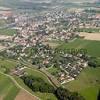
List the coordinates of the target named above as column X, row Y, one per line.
column 8, row 90
column 91, row 46
column 5, row 37
column 22, row 95
column 87, row 83
column 91, row 36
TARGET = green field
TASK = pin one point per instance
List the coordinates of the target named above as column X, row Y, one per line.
column 87, row 83
column 8, row 32
column 6, row 84
column 92, row 47
column 8, row 90
column 7, row 63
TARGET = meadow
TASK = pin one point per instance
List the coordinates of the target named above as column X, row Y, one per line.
column 92, row 47
column 87, row 83
column 8, row 90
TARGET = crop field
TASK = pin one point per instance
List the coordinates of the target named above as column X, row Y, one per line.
column 92, row 47
column 90, row 36
column 87, row 83
column 8, row 90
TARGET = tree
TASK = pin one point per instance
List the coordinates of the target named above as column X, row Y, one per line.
column 76, row 96
column 64, row 94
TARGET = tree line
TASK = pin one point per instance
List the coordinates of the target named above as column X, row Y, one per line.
column 39, row 85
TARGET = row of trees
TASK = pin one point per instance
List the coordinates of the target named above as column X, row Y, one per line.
column 64, row 94
column 39, row 85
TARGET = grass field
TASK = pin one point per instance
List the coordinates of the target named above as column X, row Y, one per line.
column 8, row 32
column 8, row 90
column 92, row 47
column 87, row 83
column 7, row 63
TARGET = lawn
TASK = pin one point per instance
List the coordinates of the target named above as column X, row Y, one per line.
column 87, row 83
column 92, row 47
column 8, row 90
column 7, row 31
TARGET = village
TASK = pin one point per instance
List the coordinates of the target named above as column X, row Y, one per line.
column 33, row 32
